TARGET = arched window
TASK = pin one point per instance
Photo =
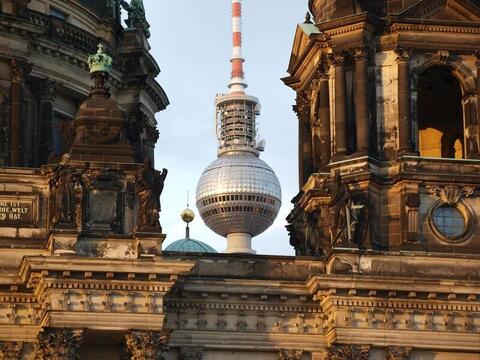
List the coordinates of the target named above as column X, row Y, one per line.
column 440, row 114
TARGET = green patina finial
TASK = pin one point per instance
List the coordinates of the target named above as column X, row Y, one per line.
column 100, row 61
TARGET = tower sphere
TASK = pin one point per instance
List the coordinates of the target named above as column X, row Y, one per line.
column 238, row 193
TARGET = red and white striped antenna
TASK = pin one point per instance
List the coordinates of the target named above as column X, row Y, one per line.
column 237, row 83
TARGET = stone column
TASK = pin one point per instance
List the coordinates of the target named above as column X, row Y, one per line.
column 338, row 61
column 58, row 344
column 361, row 101
column 46, row 91
column 404, row 124
column 18, row 73
column 324, row 114
column 304, row 137
column 149, row 345
column 477, row 64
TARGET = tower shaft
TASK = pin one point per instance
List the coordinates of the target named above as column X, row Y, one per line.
column 237, row 83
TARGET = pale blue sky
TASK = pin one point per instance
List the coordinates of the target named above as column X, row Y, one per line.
column 191, row 42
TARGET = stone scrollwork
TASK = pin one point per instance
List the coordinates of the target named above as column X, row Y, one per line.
column 450, row 194
column 58, row 344
column 397, row 353
column 10, row 350
column 146, row 345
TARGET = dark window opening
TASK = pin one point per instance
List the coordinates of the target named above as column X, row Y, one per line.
column 440, row 114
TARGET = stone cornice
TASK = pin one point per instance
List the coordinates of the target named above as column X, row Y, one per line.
column 58, row 266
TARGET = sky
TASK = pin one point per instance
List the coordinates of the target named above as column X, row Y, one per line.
column 191, row 41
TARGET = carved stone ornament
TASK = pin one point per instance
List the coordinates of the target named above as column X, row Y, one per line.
column 450, row 194
column 397, row 353
column 191, row 353
column 58, row 344
column 148, row 187
column 348, row 352
column 337, row 59
column 477, row 58
column 287, row 354
column 403, row 55
column 19, row 70
column 10, row 350
column 145, row 345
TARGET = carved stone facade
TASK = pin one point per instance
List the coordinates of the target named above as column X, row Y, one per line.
column 387, row 239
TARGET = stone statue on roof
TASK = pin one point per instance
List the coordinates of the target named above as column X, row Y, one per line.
column 136, row 16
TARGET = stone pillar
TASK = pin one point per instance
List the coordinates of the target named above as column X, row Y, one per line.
column 46, row 90
column 404, row 124
column 58, row 344
column 361, row 101
column 149, row 345
column 304, row 137
column 477, row 64
column 18, row 73
column 324, row 114
column 338, row 61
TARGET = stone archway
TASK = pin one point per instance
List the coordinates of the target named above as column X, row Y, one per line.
column 465, row 97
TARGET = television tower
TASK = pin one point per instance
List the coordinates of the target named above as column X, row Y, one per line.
column 238, row 195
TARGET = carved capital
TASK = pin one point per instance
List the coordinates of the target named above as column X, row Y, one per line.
column 287, row 354
column 477, row 58
column 146, row 345
column 412, row 200
column 58, row 344
column 348, row 352
column 360, row 53
column 10, row 350
column 337, row 59
column 191, row 353
column 19, row 70
column 450, row 194
column 403, row 55
column 302, row 106
column 397, row 353
column 46, row 89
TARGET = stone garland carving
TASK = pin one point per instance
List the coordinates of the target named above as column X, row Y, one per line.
column 10, row 350
column 145, row 345
column 66, row 185
column 58, row 344
column 148, row 187
column 191, row 353
column 397, row 353
column 450, row 194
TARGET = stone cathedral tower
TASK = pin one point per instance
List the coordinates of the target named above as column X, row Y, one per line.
column 387, row 101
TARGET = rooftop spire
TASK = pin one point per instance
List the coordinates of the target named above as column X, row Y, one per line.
column 237, row 83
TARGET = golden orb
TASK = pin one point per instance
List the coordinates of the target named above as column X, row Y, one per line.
column 187, row 215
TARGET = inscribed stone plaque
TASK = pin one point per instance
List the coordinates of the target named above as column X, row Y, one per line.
column 16, row 212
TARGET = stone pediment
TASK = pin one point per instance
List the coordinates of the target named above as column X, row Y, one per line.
column 300, row 42
column 456, row 10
